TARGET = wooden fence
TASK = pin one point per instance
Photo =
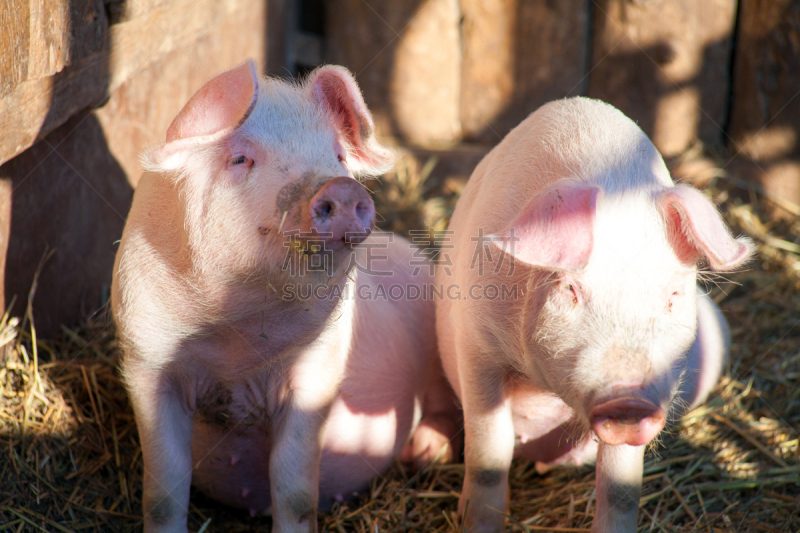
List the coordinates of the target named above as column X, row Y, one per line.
column 723, row 72
column 85, row 85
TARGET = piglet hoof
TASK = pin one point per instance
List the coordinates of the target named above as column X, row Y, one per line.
column 436, row 440
column 474, row 517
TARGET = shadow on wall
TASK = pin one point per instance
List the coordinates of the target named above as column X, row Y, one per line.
column 365, row 37
column 676, row 87
column 517, row 56
column 68, row 192
column 441, row 72
column 674, row 113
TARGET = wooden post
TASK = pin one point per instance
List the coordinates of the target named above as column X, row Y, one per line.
column 765, row 119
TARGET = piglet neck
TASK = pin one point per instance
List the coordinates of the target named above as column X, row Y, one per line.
column 266, row 294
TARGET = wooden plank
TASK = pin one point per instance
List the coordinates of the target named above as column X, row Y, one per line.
column 279, row 29
column 43, row 95
column 75, row 198
column 37, row 106
column 168, row 27
column 89, row 29
column 125, row 10
column 765, row 115
column 141, row 108
column 487, row 84
column 50, row 42
column 665, row 64
column 518, row 55
column 5, row 233
column 35, row 41
column 407, row 60
column 308, row 49
column 14, row 39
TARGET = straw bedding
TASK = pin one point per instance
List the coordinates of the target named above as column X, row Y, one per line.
column 70, row 458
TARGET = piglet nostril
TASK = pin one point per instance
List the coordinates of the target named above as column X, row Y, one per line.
column 324, row 209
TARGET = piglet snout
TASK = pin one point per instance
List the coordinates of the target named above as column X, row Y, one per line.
column 631, row 421
column 341, row 211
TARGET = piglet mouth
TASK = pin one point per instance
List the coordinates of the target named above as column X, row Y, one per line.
column 628, row 420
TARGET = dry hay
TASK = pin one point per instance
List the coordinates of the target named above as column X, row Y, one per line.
column 71, row 460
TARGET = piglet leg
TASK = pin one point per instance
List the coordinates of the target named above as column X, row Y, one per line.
column 489, row 440
column 298, row 435
column 164, row 419
column 619, row 485
column 438, row 436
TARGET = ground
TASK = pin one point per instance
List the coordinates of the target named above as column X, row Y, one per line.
column 70, row 458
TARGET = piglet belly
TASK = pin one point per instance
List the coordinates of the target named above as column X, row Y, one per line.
column 360, row 445
column 232, row 465
column 546, row 431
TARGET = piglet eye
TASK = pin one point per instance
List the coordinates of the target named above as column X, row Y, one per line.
column 240, row 160
column 675, row 294
column 340, row 157
column 573, row 290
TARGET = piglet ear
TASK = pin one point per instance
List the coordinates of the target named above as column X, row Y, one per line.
column 219, row 106
column 555, row 230
column 335, row 89
column 695, row 228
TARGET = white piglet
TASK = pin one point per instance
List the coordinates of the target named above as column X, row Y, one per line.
column 262, row 363
column 579, row 329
